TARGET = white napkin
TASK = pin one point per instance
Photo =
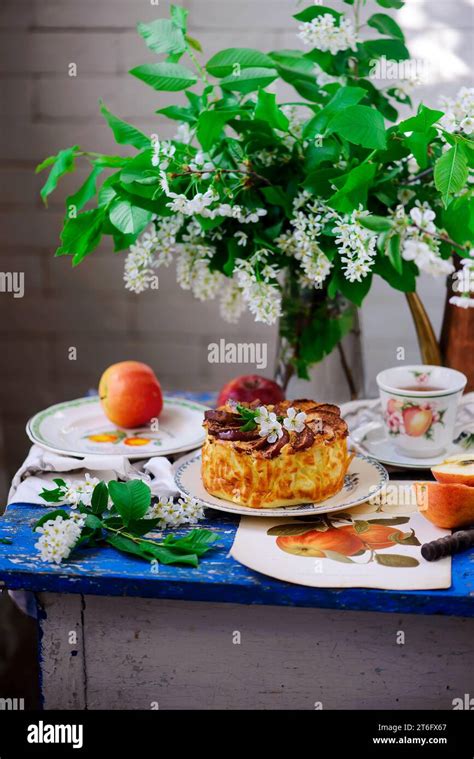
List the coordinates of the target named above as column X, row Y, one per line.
column 41, row 467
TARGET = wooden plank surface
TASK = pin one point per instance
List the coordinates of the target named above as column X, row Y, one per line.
column 157, row 654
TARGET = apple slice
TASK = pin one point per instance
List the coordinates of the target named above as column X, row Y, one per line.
column 456, row 469
column 446, row 505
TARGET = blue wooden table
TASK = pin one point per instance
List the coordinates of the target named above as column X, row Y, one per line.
column 219, row 580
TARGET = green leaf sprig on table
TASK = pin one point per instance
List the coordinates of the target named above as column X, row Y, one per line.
column 328, row 189
column 124, row 526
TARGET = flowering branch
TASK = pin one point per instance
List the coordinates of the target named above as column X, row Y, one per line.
column 250, row 173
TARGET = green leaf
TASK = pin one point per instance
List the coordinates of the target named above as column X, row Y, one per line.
column 391, row 3
column 179, row 16
column 131, row 499
column 451, row 172
column 178, row 113
column 163, row 36
column 62, row 163
column 93, row 522
column 376, row 223
column 194, row 43
column 392, row 49
column 210, row 125
column 50, row 515
column 168, row 77
column 198, row 541
column 353, row 291
column 6, row 541
column 224, row 63
column 386, row 25
column 100, row 498
column 316, row 10
column 56, row 495
column 394, row 253
column 293, row 64
column 86, row 191
column 360, row 125
column 149, row 551
column 423, row 120
column 128, row 218
column 268, row 110
column 405, row 282
column 353, row 188
column 82, row 234
column 418, row 143
column 342, row 99
column 249, row 79
column 278, row 197
column 125, row 134
column 396, row 560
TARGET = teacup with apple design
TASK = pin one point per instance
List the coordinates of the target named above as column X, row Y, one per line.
column 419, row 405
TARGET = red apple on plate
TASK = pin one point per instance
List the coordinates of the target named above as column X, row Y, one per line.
column 130, row 394
column 251, row 387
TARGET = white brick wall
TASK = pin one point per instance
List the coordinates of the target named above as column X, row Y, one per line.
column 43, row 109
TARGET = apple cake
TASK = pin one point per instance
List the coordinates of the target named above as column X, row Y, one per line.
column 275, row 455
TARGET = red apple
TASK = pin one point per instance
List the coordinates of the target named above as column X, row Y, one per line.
column 130, row 394
column 251, row 387
column 417, row 420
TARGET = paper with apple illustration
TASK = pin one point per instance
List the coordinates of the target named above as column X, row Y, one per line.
column 375, row 545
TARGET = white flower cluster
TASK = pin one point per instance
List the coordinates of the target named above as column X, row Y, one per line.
column 308, row 221
column 154, row 248
column 232, row 304
column 418, row 243
column 459, row 115
column 58, row 537
column 260, row 292
column 464, row 283
column 357, row 246
column 325, row 34
column 80, row 491
column 175, row 513
column 193, row 271
column 272, row 429
column 199, row 205
column 162, row 152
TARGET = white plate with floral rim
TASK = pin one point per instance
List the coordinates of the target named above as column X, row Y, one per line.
column 364, row 479
column 80, row 428
column 371, row 439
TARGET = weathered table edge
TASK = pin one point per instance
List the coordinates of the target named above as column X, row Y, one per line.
column 269, row 594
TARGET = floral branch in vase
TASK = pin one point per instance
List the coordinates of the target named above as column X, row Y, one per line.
column 329, row 191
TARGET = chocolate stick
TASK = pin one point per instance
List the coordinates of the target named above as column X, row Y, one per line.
column 449, row 545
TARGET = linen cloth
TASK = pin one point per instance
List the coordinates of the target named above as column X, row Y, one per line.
column 41, row 467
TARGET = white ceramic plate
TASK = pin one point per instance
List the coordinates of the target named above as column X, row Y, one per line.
column 372, row 440
column 364, row 479
column 80, row 428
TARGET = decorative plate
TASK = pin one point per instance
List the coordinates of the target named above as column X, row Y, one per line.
column 365, row 478
column 80, row 428
column 371, row 439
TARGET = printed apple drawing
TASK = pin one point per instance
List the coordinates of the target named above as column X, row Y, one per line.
column 315, row 543
column 417, row 420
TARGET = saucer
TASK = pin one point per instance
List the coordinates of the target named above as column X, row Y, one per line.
column 371, row 440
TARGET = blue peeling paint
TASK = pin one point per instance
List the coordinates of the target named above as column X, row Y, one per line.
column 219, row 577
